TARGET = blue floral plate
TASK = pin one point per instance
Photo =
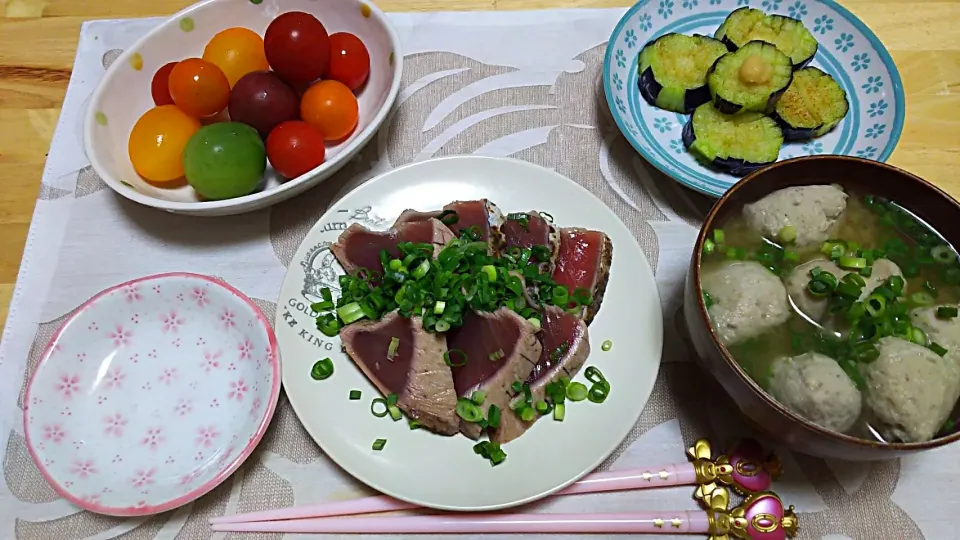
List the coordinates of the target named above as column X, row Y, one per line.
column 848, row 51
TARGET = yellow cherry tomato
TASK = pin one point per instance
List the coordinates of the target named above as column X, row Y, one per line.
column 236, row 51
column 157, row 141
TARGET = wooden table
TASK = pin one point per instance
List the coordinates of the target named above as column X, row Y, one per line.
column 38, row 40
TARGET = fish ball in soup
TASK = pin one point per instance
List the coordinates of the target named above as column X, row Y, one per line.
column 814, row 307
column 910, row 391
column 747, row 300
column 815, row 387
column 944, row 331
column 882, row 269
column 812, row 212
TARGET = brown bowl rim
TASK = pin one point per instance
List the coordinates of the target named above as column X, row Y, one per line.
column 760, row 392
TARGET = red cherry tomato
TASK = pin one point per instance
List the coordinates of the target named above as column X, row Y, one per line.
column 199, row 87
column 295, row 148
column 297, row 47
column 160, row 86
column 349, row 60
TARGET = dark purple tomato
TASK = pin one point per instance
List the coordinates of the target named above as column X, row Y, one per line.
column 262, row 100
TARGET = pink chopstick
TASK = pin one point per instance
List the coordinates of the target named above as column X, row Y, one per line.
column 766, row 519
column 701, row 470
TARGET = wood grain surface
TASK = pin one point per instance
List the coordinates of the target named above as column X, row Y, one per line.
column 38, row 41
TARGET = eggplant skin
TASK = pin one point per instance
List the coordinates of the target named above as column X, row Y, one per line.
column 650, row 90
column 817, row 97
column 731, row 165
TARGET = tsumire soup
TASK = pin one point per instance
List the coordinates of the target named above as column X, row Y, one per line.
column 843, row 306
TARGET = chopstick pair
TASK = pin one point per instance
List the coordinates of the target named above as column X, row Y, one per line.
column 746, row 469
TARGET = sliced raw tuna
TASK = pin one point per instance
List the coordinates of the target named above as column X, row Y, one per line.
column 501, row 347
column 415, row 215
column 528, row 229
column 416, row 373
column 583, row 261
column 359, row 247
column 565, row 346
column 480, row 213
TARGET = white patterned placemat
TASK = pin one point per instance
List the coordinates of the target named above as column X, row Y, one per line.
column 522, row 84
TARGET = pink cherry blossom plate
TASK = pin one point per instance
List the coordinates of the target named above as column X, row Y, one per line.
column 151, row 394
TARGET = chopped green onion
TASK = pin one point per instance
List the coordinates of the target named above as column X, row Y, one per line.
column 918, row 336
column 559, row 412
column 448, row 358
column 496, row 355
column 527, row 414
column 866, row 272
column 392, row 348
column 355, row 395
column 493, row 416
column 392, row 399
column 394, row 412
column 414, row 424
column 439, row 307
column 490, row 271
column 322, row 306
column 875, row 305
column 708, row 246
column 852, row 263
column 517, row 386
column 481, row 448
column 322, row 369
column 818, row 288
column 946, row 312
column 598, row 392
column 788, row 234
column 560, row 296
column 542, row 407
column 576, row 391
column 350, row 313
column 922, row 298
column 830, row 247
column 718, row 236
column 420, row 271
column 442, row 326
column 468, row 411
column 478, row 396
column 937, row 348
column 329, row 325
column 373, row 407
column 448, row 217
column 535, row 322
column 707, row 300
column 790, row 256
column 593, row 375
column 379, row 444
column 606, row 345
column 943, row 254
column 736, row 253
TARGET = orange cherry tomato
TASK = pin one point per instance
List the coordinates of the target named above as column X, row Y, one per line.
column 157, row 141
column 236, row 51
column 199, row 87
column 330, row 107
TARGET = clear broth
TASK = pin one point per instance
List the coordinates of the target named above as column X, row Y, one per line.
column 858, row 224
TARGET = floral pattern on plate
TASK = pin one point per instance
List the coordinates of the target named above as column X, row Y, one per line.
column 849, row 51
column 152, row 393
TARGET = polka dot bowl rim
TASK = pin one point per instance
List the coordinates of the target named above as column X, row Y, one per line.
column 634, row 116
column 112, row 162
column 227, row 468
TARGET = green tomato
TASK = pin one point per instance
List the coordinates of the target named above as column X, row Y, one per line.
column 225, row 160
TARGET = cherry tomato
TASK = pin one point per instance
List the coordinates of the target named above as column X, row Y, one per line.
column 225, row 160
column 160, row 85
column 199, row 88
column 297, row 47
column 330, row 107
column 349, row 60
column 157, row 141
column 295, row 148
column 236, row 51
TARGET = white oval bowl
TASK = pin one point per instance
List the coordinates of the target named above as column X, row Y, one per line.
column 151, row 394
column 124, row 95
